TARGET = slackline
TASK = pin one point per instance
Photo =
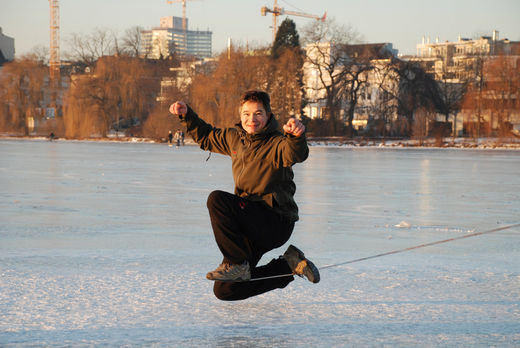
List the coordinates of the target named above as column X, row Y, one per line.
column 399, row 250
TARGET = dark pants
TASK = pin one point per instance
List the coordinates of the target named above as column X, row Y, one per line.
column 245, row 230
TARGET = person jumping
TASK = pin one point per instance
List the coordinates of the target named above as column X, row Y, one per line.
column 261, row 214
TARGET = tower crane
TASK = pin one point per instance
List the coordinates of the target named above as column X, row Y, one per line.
column 54, row 60
column 278, row 11
column 184, row 26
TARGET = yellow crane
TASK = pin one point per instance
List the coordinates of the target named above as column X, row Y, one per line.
column 278, row 11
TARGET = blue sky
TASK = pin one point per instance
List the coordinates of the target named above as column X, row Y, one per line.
column 401, row 22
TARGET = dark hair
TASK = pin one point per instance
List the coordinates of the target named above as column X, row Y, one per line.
column 259, row 97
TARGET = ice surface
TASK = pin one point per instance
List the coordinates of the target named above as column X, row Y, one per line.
column 108, row 243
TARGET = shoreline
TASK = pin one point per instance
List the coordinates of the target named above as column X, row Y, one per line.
column 337, row 142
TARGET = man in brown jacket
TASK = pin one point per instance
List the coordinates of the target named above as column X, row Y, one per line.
column 260, row 216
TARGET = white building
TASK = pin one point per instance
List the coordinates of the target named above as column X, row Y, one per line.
column 6, row 47
column 457, row 62
column 170, row 39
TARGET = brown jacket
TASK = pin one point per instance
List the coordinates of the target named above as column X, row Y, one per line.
column 261, row 163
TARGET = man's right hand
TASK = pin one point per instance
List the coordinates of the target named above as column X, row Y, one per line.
column 179, row 108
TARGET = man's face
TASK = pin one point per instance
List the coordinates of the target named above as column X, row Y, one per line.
column 253, row 117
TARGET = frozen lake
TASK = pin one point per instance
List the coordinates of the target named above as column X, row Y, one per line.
column 105, row 244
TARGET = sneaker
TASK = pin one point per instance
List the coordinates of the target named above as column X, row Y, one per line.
column 230, row 273
column 300, row 265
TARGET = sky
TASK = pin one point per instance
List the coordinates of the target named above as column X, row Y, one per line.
column 400, row 22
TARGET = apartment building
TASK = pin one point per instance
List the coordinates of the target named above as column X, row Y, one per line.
column 456, row 60
column 461, row 61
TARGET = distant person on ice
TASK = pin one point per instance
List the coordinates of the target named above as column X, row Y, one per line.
column 260, row 216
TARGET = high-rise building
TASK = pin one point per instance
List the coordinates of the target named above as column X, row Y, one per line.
column 170, row 39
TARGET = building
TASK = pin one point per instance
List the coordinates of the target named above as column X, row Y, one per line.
column 461, row 62
column 170, row 39
column 455, row 60
column 6, row 48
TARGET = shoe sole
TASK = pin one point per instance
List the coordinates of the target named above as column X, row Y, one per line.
column 238, row 280
column 241, row 279
column 313, row 274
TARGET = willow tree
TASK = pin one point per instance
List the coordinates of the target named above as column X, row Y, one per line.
column 120, row 92
column 21, row 93
column 416, row 92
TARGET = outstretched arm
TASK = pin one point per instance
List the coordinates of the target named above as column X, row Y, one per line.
column 208, row 137
column 295, row 148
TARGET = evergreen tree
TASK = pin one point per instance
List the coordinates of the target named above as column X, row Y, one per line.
column 286, row 37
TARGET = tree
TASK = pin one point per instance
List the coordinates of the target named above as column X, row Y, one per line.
column 132, row 42
column 329, row 70
column 87, row 49
column 21, row 93
column 416, row 90
column 452, row 90
column 357, row 65
column 119, row 94
column 284, row 84
column 216, row 94
column 473, row 103
column 286, row 37
column 502, row 91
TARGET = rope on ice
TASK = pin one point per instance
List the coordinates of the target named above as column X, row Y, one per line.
column 401, row 250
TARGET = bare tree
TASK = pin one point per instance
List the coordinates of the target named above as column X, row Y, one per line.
column 41, row 54
column 357, row 67
column 132, row 41
column 452, row 94
column 502, row 91
column 329, row 71
column 87, row 49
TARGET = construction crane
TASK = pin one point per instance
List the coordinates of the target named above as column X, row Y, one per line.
column 278, row 11
column 184, row 26
column 54, row 61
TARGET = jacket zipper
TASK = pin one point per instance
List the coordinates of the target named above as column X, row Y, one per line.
column 243, row 162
